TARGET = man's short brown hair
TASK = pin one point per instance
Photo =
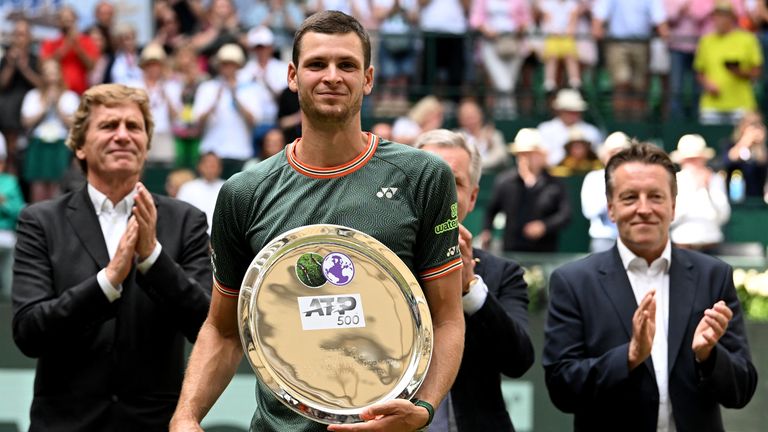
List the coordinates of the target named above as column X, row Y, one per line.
column 107, row 95
column 645, row 153
column 332, row 22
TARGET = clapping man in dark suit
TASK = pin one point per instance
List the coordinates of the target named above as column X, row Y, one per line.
column 645, row 336
column 495, row 309
column 109, row 280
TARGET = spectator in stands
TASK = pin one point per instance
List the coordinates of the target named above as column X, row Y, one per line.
column 125, row 67
column 164, row 101
column 534, row 203
column 267, row 73
column 586, row 46
column 104, row 14
column 186, row 132
column 488, row 140
column 19, row 73
column 203, row 191
column 274, row 143
column 100, row 70
column 227, row 112
column 702, row 206
column 444, row 23
column 558, row 24
column 47, row 114
column 11, row 203
column 168, row 31
column 176, row 179
column 75, row 52
column 746, row 152
column 569, row 107
column 383, row 130
column 727, row 61
column 221, row 27
column 283, row 17
column 630, row 25
column 427, row 114
column 758, row 13
column 594, row 205
column 502, row 23
column 579, row 157
column 397, row 20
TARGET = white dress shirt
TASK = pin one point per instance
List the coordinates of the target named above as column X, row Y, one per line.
column 643, row 277
column 113, row 220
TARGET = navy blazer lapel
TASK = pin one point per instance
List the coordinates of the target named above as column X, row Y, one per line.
column 85, row 224
column 682, row 290
column 615, row 283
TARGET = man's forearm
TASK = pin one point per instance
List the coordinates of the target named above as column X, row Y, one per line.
column 212, row 364
column 446, row 358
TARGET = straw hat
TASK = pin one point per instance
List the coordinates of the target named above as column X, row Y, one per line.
column 615, row 141
column 230, row 53
column 526, row 140
column 152, row 52
column 724, row 7
column 691, row 146
column 569, row 100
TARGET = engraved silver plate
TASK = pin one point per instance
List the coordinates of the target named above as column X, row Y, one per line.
column 332, row 321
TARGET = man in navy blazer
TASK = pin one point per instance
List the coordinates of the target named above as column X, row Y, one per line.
column 495, row 309
column 108, row 281
column 646, row 337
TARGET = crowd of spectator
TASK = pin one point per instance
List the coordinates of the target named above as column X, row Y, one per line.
column 215, row 72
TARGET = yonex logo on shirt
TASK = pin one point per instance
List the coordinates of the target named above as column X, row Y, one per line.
column 386, row 192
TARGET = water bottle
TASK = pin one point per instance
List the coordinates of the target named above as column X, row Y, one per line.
column 736, row 187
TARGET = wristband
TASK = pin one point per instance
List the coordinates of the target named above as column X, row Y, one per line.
column 430, row 409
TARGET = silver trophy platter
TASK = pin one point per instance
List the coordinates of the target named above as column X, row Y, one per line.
column 332, row 321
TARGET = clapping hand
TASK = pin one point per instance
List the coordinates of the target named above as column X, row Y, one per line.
column 710, row 329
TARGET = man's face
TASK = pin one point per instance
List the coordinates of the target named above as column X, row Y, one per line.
column 534, row 161
column 330, row 77
column 105, row 14
column 115, row 142
column 459, row 161
column 209, row 167
column 67, row 20
column 570, row 117
column 642, row 206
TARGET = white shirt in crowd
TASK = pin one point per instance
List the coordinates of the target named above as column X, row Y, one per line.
column 443, row 16
column 594, row 206
column 201, row 194
column 558, row 15
column 700, row 212
column 113, row 220
column 643, row 277
column 50, row 128
column 226, row 133
column 554, row 136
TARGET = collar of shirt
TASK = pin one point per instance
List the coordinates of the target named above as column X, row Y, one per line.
column 633, row 262
column 102, row 204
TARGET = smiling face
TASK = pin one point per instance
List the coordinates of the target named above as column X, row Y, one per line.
column 115, row 143
column 330, row 77
column 642, row 206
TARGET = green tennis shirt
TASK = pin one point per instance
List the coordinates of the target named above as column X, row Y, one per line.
column 405, row 198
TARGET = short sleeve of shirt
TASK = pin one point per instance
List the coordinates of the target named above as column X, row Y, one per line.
column 437, row 251
column 205, row 97
column 231, row 254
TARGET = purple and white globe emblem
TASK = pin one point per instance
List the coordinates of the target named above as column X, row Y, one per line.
column 338, row 268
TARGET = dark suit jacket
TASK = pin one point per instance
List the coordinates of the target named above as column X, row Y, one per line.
column 106, row 366
column 587, row 338
column 496, row 342
column 547, row 201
